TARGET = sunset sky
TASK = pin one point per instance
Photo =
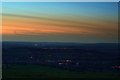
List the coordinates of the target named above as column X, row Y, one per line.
column 82, row 22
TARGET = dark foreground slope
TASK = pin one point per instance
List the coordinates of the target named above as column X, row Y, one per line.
column 60, row 60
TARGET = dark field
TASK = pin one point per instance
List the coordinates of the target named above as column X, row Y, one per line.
column 60, row 60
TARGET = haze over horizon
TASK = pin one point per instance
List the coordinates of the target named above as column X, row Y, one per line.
column 83, row 22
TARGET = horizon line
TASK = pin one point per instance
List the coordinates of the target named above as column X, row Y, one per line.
column 64, row 42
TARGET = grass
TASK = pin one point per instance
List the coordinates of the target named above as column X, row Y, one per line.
column 37, row 71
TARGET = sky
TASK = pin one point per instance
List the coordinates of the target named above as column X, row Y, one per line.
column 83, row 22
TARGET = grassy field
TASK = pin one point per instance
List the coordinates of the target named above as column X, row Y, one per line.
column 36, row 71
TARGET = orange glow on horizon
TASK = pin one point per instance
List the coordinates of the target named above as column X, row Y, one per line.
column 25, row 26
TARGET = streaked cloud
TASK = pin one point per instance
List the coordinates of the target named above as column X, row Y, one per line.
column 87, row 25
